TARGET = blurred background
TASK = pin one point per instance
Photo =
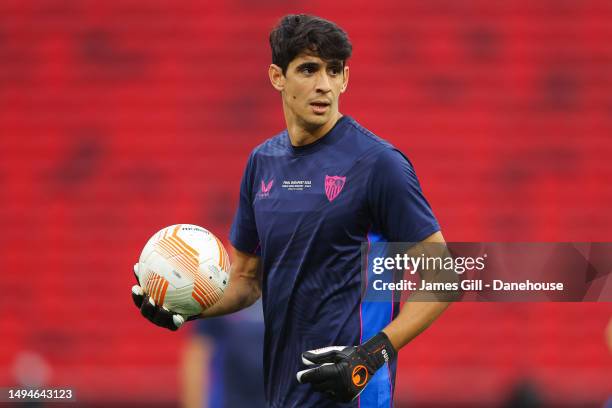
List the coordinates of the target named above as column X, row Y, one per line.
column 118, row 118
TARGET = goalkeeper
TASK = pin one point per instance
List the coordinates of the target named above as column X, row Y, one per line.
column 309, row 197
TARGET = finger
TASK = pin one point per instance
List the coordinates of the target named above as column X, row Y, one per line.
column 317, row 374
column 300, row 375
column 136, row 273
column 137, row 295
column 165, row 318
column 148, row 308
column 160, row 316
column 178, row 320
column 330, row 354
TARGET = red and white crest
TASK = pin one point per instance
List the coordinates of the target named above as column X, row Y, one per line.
column 333, row 186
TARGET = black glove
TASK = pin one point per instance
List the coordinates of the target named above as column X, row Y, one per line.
column 343, row 372
column 154, row 313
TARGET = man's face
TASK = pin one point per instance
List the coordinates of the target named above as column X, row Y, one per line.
column 311, row 88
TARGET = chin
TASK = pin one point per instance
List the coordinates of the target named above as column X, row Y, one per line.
column 317, row 120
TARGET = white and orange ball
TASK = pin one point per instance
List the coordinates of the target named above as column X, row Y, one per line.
column 184, row 268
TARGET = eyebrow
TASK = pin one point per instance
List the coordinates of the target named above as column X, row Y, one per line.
column 313, row 64
column 308, row 64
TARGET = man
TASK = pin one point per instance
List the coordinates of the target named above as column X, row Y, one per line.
column 309, row 198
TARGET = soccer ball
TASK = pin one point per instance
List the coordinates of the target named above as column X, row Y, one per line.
column 183, row 268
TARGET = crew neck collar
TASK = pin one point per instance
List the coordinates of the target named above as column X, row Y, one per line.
column 329, row 138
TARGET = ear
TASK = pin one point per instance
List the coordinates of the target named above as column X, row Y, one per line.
column 277, row 79
column 345, row 79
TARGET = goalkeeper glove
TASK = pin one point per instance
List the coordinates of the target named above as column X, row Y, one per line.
column 156, row 314
column 343, row 372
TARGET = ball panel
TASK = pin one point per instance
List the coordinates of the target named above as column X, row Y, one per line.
column 171, row 270
column 181, row 301
column 156, row 288
column 222, row 258
column 205, row 292
column 213, row 272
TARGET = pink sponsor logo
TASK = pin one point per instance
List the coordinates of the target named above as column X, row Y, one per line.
column 333, row 186
column 265, row 188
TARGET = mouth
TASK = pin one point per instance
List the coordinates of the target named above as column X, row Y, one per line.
column 319, row 107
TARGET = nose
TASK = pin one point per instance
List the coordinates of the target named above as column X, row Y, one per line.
column 323, row 83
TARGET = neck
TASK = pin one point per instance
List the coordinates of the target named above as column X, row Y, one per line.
column 301, row 133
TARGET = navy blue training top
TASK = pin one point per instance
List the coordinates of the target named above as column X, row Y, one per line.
column 306, row 211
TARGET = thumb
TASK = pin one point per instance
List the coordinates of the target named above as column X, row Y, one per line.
column 332, row 354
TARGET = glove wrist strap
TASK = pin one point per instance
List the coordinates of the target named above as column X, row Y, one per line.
column 380, row 350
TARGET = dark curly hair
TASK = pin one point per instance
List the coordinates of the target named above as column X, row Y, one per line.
column 298, row 33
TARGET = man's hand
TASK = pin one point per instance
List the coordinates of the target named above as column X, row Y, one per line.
column 343, row 372
column 157, row 315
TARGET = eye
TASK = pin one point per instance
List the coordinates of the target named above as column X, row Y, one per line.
column 308, row 69
column 335, row 71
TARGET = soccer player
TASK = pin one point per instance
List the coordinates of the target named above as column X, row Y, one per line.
column 310, row 196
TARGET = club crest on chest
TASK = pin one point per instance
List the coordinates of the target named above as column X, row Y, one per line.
column 333, row 186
